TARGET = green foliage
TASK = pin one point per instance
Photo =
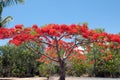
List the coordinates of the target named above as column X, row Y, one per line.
column 48, row 69
column 103, row 67
column 17, row 61
column 79, row 69
column 109, row 68
column 76, row 68
column 44, row 70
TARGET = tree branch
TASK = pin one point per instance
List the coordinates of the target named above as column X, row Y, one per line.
column 70, row 49
column 62, row 36
column 44, row 43
column 27, row 46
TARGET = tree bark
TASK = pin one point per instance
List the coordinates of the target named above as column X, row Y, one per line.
column 62, row 70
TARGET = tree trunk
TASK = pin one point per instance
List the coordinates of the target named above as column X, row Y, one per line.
column 62, row 70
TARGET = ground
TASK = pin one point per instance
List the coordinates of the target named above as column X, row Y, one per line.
column 56, row 78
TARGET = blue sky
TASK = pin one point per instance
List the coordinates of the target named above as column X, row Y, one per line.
column 97, row 13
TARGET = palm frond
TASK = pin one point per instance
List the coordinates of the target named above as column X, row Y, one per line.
column 6, row 20
column 5, row 3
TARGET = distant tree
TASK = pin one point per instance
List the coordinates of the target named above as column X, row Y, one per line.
column 18, row 61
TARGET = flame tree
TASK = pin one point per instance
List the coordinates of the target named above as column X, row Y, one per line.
column 60, row 41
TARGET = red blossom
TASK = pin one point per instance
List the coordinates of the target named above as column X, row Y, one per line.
column 83, row 28
column 35, row 27
column 95, row 36
column 45, row 30
column 16, row 42
column 19, row 26
column 64, row 28
column 85, row 35
column 114, row 37
column 52, row 32
column 55, row 26
column 6, row 33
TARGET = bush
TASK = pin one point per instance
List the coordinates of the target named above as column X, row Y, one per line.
column 17, row 61
column 47, row 70
column 76, row 68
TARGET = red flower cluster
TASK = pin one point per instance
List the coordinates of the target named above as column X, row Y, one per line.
column 19, row 27
column 6, row 33
column 114, row 37
column 57, row 30
column 20, row 38
column 93, row 35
